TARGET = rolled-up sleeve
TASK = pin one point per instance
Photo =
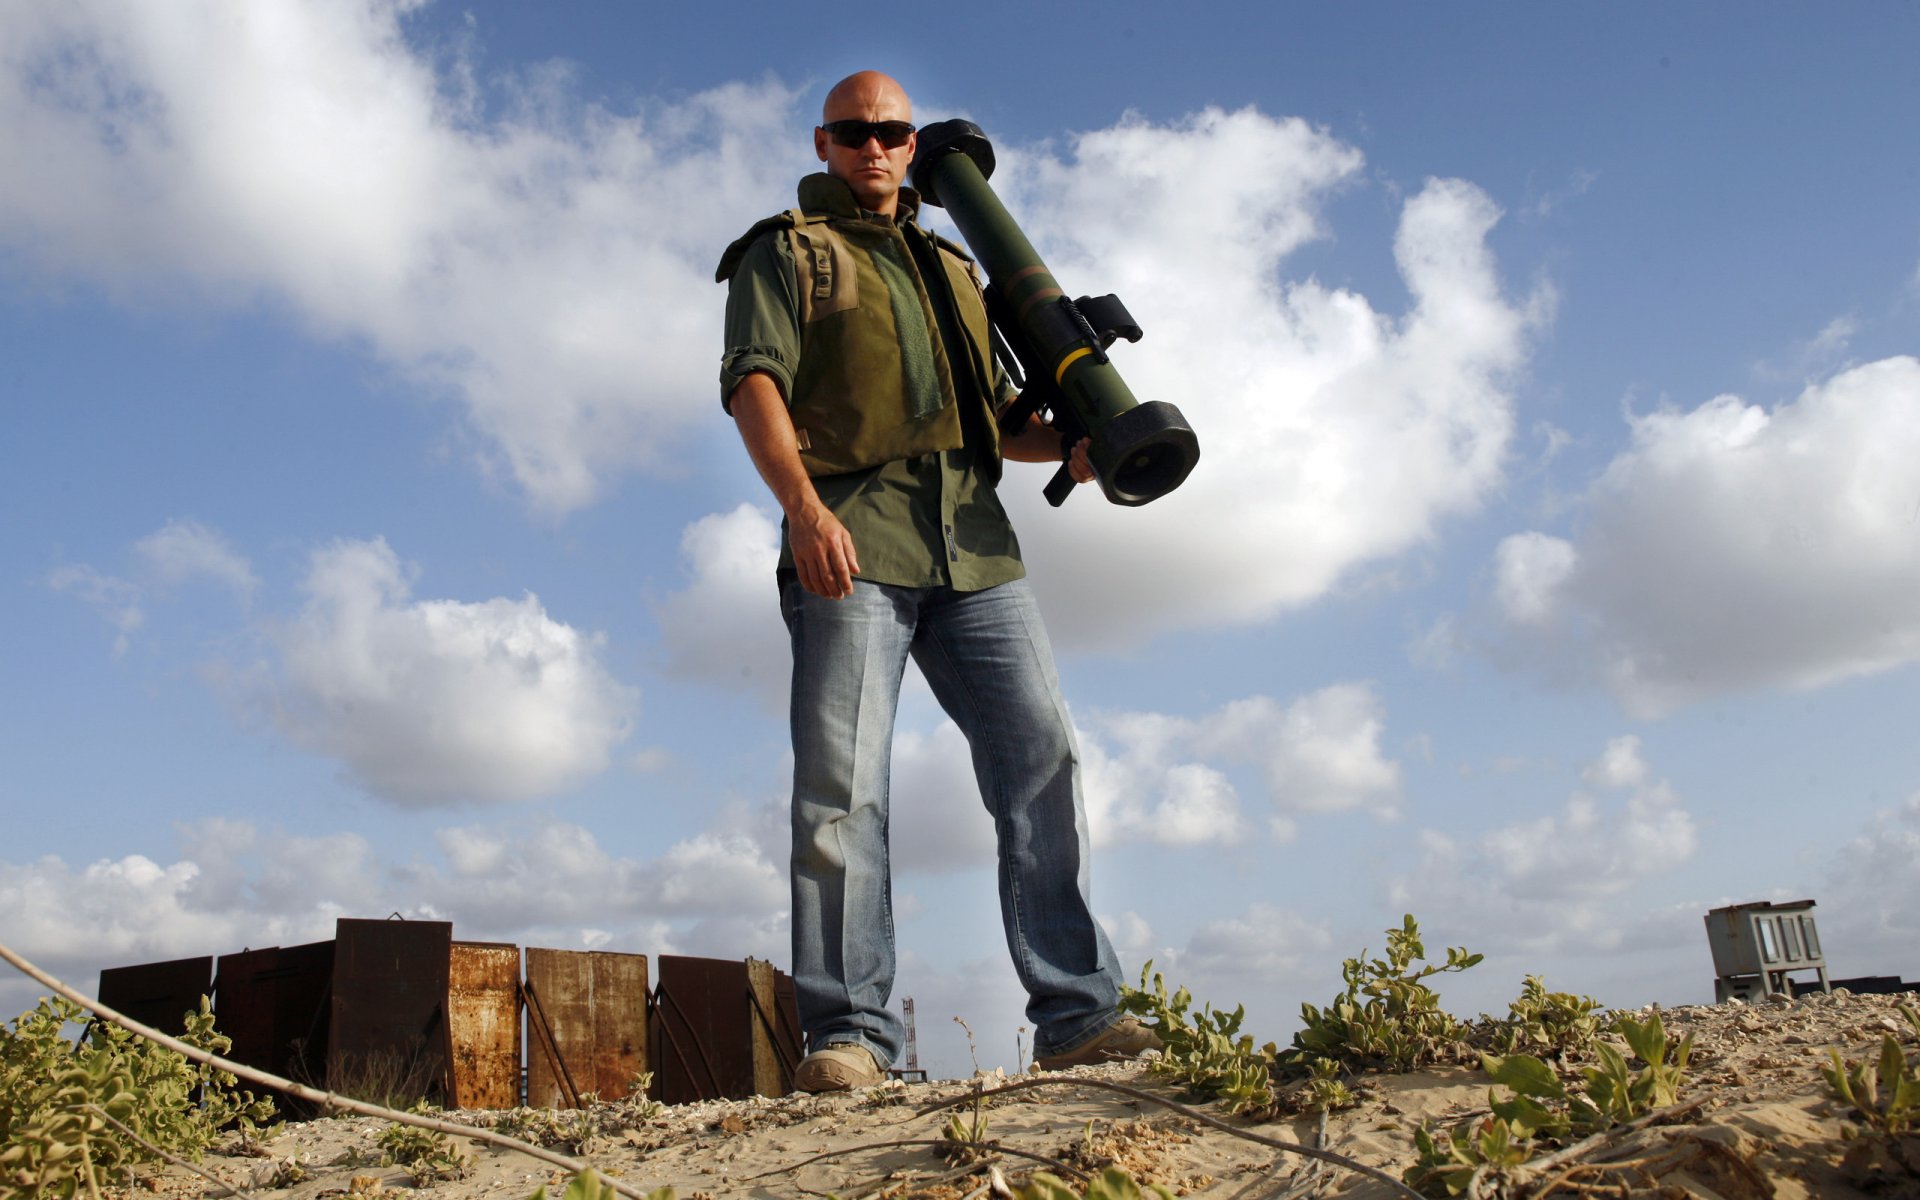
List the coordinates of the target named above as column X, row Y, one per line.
column 763, row 319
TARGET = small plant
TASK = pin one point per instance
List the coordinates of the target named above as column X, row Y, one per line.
column 1478, row 1151
column 427, row 1154
column 72, row 1114
column 287, row 1172
column 1884, row 1095
column 1555, row 1024
column 1540, row 1106
column 1206, row 1052
column 562, row 1129
column 1324, row 1092
column 967, row 1135
column 1388, row 1017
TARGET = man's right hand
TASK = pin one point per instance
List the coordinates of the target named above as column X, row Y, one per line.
column 823, row 552
column 822, row 548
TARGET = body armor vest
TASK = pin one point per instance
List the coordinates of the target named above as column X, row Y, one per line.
column 875, row 381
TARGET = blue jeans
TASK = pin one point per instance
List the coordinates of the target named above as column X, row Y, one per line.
column 986, row 656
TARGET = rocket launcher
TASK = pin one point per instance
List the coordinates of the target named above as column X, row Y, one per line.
column 1055, row 349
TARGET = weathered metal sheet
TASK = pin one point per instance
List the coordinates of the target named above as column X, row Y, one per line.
column 787, row 1021
column 483, row 1015
column 388, row 1033
column 275, row 1005
column 772, row 1068
column 559, row 1026
column 620, row 997
column 160, row 994
column 702, row 1030
column 586, row 1024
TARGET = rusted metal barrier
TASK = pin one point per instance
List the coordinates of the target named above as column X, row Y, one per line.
column 586, row 1025
column 398, row 1011
column 723, row 1029
column 388, row 1033
column 276, row 1004
column 483, row 1021
column 160, row 994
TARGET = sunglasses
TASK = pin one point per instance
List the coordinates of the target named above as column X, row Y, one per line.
column 854, row 134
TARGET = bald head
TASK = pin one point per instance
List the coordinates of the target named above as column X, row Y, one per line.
column 867, row 96
column 872, row 171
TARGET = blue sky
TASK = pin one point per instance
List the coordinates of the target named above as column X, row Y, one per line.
column 375, row 542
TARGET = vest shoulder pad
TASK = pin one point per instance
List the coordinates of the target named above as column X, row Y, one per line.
column 730, row 261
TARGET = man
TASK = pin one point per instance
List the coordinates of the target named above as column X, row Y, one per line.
column 859, row 373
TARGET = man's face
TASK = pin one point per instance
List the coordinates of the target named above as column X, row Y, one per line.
column 872, row 170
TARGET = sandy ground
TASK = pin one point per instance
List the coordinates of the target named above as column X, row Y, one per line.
column 1763, row 1127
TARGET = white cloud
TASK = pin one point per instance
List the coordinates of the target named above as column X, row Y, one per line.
column 1820, row 354
column 1529, row 571
column 180, row 551
column 118, row 601
column 1620, row 765
column 177, row 553
column 724, row 627
column 1734, row 548
column 1298, row 392
column 1153, row 777
column 558, row 876
column 1551, row 883
column 1319, row 754
column 438, row 701
column 528, row 251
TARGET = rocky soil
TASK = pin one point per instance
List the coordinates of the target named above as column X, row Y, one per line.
column 1757, row 1122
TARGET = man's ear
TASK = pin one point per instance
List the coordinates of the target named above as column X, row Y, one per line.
column 820, row 143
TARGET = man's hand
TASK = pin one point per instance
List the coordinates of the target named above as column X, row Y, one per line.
column 823, row 552
column 1040, row 443
column 1078, row 464
column 822, row 548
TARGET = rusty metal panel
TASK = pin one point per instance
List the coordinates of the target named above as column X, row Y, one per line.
column 274, row 1004
column 619, row 1021
column 160, row 994
column 771, row 1076
column 787, row 1021
column 388, row 1032
column 586, row 1024
column 703, row 1038
column 483, row 1017
column 559, row 1026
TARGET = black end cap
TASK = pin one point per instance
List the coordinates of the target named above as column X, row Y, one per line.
column 940, row 139
column 1149, row 451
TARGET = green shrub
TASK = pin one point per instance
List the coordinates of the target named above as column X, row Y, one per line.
column 1388, row 1018
column 1205, row 1052
column 1540, row 1106
column 55, row 1100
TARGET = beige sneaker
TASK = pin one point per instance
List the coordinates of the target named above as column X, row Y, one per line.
column 839, row 1067
column 1125, row 1038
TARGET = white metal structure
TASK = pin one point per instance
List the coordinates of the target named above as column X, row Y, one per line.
column 1756, row 946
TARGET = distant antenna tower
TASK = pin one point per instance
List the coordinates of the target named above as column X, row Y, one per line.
column 913, row 1044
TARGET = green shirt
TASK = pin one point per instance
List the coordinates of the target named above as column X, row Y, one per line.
column 927, row 521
